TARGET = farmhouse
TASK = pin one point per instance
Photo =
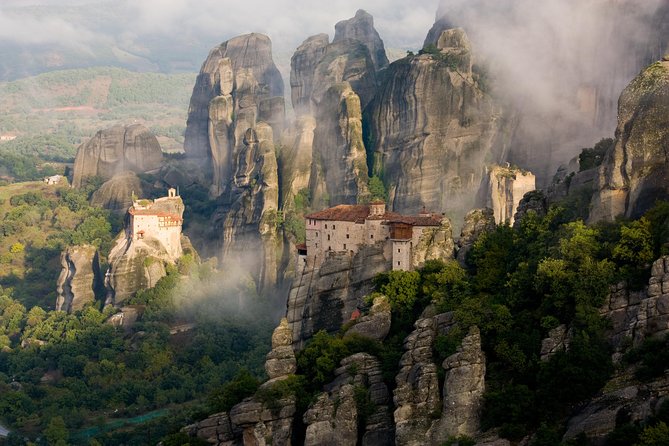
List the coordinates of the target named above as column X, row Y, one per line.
column 346, row 228
column 160, row 219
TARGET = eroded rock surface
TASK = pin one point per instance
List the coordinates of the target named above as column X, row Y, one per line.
column 435, row 243
column 361, row 28
column 376, row 324
column 634, row 173
column 336, row 417
column 79, row 278
column 508, row 185
column 116, row 193
column 433, row 129
column 477, row 223
column 114, row 150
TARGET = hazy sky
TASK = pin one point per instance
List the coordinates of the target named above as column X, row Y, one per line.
column 402, row 24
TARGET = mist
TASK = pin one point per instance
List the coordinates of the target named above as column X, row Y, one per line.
column 561, row 64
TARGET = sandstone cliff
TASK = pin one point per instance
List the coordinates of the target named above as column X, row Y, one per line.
column 248, row 215
column 507, row 186
column 79, row 278
column 361, row 28
column 114, row 150
column 634, row 173
column 238, row 86
column 432, row 129
column 116, row 193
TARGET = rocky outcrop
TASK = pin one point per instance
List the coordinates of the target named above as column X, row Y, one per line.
column 325, row 297
column 281, row 360
column 634, row 174
column 534, row 202
column 296, row 158
column 264, row 423
column 217, row 430
column 79, row 278
column 339, row 168
column 417, row 397
column 633, row 404
column 477, row 222
column 376, row 324
column 432, row 129
column 133, row 266
column 114, row 150
column 235, row 79
column 361, row 28
column 116, row 193
column 558, row 340
column 508, row 185
column 303, row 69
column 247, row 216
column 355, row 406
column 435, row 243
column 464, row 385
column 636, row 315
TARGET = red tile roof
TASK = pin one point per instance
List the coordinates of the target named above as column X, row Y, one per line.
column 133, row 211
column 360, row 212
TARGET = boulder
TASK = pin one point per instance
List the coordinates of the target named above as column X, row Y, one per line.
column 114, row 150
column 534, row 202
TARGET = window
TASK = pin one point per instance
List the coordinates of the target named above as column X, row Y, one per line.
column 398, row 263
column 316, row 245
column 329, row 248
column 346, row 235
column 328, row 237
column 333, row 226
column 317, row 234
column 326, row 225
column 398, row 250
column 371, row 236
column 344, row 245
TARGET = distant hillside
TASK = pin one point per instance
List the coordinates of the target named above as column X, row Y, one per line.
column 73, row 104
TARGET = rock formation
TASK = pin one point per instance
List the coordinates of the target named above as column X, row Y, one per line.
column 435, row 243
column 464, row 385
column 325, row 297
column 477, row 222
column 234, row 82
column 339, row 167
column 247, row 217
column 376, row 324
column 432, row 129
column 114, row 150
column 533, row 202
column 303, row 69
column 338, row 418
column 152, row 239
column 79, row 278
column 281, row 360
column 116, row 193
column 634, row 174
column 641, row 314
column 361, row 28
column 264, row 423
column 508, row 185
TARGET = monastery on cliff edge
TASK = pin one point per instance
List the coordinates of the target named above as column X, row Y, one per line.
column 159, row 219
column 346, row 228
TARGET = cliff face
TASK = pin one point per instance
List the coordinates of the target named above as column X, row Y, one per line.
column 80, row 277
column 331, row 84
column 115, row 194
column 117, row 149
column 432, row 129
column 507, row 187
column 634, row 173
column 238, row 86
column 339, row 166
column 247, row 218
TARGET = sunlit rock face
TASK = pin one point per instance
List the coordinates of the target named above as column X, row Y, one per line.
column 238, row 86
column 559, row 66
column 115, row 150
column 79, row 278
column 507, row 186
column 635, row 172
column 433, row 128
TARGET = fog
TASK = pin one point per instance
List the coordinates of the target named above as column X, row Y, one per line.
column 561, row 63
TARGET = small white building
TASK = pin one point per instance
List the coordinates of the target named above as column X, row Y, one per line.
column 53, row 180
column 160, row 219
column 346, row 228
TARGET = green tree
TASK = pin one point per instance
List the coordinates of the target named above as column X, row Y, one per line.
column 56, row 432
column 657, row 435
